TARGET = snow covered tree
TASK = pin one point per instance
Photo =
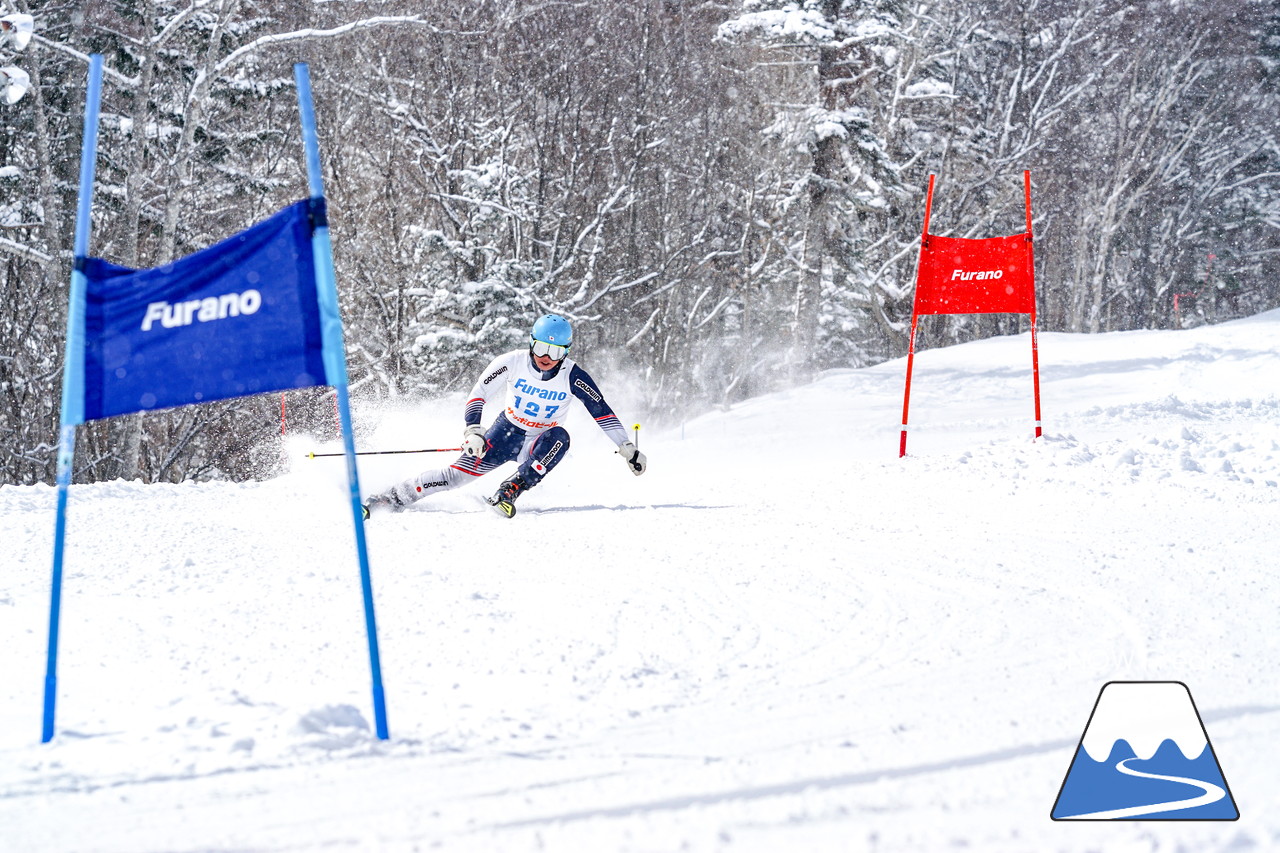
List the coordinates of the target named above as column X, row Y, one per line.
column 195, row 144
column 859, row 81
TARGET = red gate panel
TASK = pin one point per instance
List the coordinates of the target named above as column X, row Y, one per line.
column 991, row 276
column 956, row 275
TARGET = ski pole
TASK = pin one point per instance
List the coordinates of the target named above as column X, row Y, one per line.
column 636, row 430
column 386, row 452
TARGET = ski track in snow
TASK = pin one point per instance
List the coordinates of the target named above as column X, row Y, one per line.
column 759, row 645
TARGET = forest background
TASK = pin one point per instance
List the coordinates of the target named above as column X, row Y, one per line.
column 725, row 196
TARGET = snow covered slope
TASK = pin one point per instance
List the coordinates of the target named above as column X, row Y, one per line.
column 782, row 637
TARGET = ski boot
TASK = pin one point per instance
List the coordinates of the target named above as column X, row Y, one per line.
column 387, row 500
column 504, row 500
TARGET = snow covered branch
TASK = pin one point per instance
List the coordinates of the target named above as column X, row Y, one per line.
column 315, row 35
column 24, row 251
column 107, row 71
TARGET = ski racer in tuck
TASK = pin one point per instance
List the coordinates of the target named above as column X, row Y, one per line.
column 537, row 386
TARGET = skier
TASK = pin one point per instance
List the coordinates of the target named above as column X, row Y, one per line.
column 538, row 385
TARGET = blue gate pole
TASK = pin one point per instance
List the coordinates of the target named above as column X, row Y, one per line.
column 72, row 380
column 335, row 366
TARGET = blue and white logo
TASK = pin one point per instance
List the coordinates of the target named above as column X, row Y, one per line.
column 1145, row 755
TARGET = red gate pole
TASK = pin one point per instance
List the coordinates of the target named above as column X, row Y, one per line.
column 915, row 319
column 1035, row 370
column 906, row 395
column 1031, row 268
column 928, row 207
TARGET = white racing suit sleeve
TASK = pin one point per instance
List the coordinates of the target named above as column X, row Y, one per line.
column 492, row 383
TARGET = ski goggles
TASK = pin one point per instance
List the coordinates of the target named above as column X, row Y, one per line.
column 542, row 348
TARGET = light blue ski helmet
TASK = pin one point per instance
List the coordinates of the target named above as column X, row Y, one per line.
column 552, row 329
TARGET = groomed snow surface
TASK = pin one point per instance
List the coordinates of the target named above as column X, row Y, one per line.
column 782, row 637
